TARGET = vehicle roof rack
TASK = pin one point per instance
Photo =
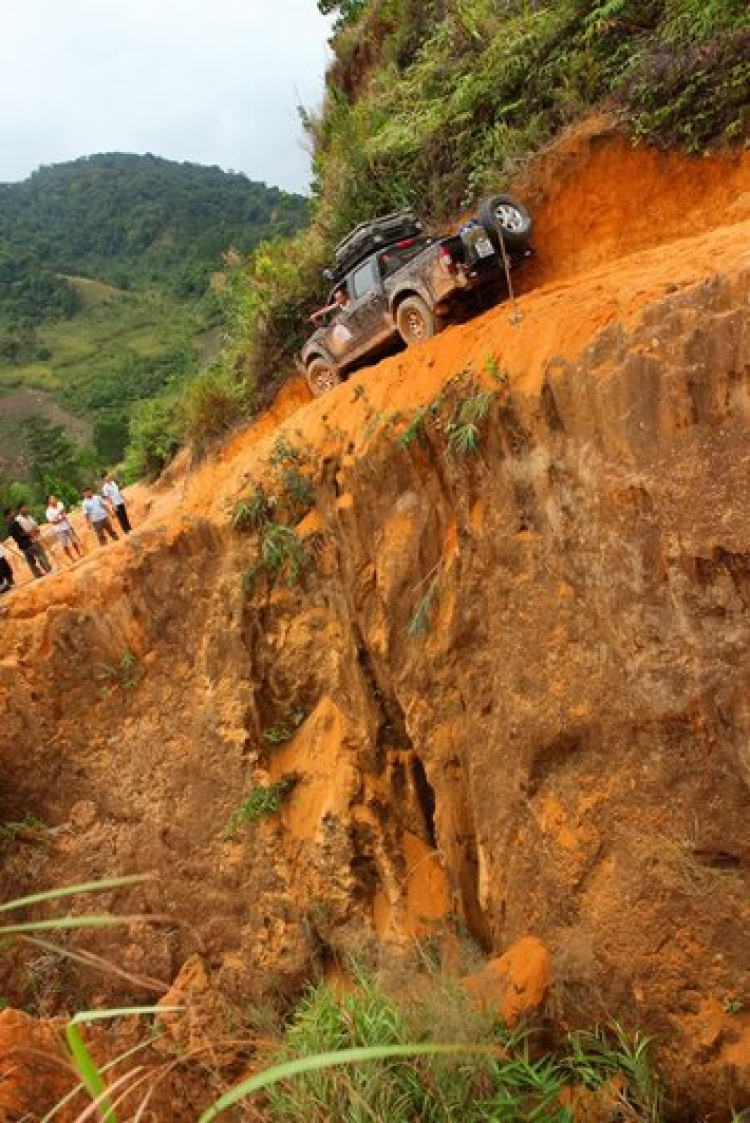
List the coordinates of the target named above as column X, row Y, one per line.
column 371, row 236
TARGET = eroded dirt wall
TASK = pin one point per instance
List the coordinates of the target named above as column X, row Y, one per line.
column 519, row 681
column 562, row 752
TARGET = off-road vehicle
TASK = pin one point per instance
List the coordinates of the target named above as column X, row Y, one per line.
column 391, row 281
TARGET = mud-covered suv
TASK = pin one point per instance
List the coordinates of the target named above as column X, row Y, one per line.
column 392, row 281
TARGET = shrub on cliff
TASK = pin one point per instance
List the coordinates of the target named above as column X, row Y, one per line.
column 215, row 403
column 500, row 1075
column 155, row 436
column 272, row 297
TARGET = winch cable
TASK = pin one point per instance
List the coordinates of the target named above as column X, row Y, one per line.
column 516, row 314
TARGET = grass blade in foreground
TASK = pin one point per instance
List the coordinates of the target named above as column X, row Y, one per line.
column 71, row 1095
column 70, row 890
column 122, row 1012
column 65, row 923
column 327, row 1060
column 85, row 1066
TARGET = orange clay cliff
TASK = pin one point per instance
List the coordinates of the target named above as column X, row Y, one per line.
column 509, row 686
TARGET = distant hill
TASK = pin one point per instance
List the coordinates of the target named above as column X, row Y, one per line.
column 104, row 280
column 129, row 219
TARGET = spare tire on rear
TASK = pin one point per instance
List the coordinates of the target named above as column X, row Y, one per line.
column 501, row 214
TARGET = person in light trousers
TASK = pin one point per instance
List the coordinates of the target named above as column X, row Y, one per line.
column 114, row 497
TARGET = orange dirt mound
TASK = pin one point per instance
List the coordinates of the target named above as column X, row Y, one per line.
column 597, row 198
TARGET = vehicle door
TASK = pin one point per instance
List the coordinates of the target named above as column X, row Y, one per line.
column 370, row 306
column 341, row 337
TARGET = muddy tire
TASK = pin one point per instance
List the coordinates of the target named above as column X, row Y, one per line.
column 500, row 214
column 416, row 321
column 322, row 377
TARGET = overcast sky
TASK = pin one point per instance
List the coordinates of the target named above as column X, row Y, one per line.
column 210, row 81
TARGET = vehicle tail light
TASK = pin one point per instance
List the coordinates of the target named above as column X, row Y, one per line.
column 446, row 261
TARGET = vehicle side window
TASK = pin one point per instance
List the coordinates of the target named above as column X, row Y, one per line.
column 364, row 279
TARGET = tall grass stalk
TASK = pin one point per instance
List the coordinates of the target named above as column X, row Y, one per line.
column 291, row 1069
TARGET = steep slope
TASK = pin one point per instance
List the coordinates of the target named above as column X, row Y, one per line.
column 511, row 691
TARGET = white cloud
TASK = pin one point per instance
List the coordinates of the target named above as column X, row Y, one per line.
column 211, row 81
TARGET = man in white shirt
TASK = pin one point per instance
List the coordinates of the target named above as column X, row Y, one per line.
column 97, row 517
column 113, row 495
column 63, row 528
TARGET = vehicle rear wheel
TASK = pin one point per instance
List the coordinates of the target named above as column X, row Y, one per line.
column 322, row 377
column 416, row 321
column 500, row 214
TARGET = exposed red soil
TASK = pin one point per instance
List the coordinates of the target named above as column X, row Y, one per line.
column 563, row 756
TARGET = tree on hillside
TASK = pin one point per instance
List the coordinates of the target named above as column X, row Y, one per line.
column 346, row 10
column 54, row 461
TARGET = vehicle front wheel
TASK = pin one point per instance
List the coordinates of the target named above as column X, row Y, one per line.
column 322, row 377
column 416, row 321
column 500, row 214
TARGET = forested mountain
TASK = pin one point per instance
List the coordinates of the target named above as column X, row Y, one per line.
column 128, row 219
column 105, row 300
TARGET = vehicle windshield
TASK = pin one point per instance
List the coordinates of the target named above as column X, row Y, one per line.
column 394, row 257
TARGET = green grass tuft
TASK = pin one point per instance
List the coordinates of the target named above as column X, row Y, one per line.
column 262, row 801
column 367, row 1055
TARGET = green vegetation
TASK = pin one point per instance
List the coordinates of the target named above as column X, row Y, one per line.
column 214, row 403
column 125, row 674
column 28, row 827
column 368, row 1055
column 31, row 294
column 134, row 221
column 255, row 512
column 421, row 621
column 155, row 436
column 115, row 288
column 282, row 554
column 285, row 730
column 461, row 93
column 462, row 430
column 412, row 1049
column 457, row 414
column 261, row 802
column 26, row 928
column 285, row 452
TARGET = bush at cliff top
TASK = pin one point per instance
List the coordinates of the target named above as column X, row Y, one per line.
column 434, row 108
column 273, row 297
column 155, row 436
column 215, row 403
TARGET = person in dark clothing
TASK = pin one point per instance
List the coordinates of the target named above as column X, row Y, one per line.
column 7, row 579
column 36, row 557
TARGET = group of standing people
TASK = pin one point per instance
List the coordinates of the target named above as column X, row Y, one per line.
column 26, row 533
